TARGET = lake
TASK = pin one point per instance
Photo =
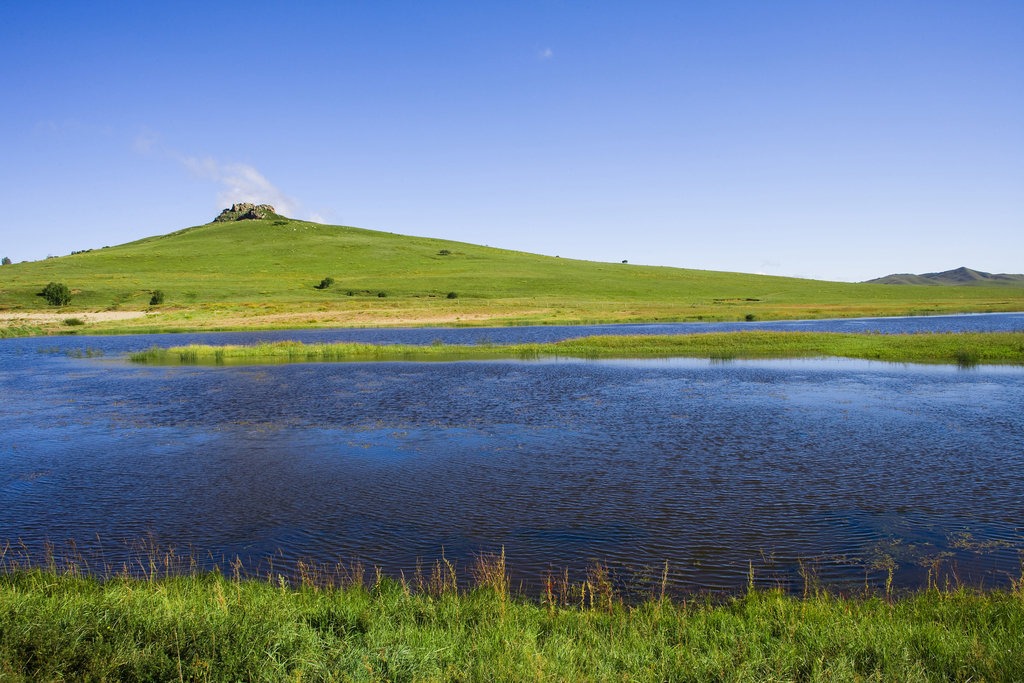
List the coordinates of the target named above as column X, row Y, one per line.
column 807, row 471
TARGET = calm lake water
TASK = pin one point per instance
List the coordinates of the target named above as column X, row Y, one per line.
column 830, row 469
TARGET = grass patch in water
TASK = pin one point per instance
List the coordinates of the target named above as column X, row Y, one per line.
column 963, row 348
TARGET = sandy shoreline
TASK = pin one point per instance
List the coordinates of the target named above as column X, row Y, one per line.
column 96, row 317
column 198, row 320
column 361, row 318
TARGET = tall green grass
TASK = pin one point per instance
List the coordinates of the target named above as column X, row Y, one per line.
column 965, row 348
column 209, row 627
column 15, row 331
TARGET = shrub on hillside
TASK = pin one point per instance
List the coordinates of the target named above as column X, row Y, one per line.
column 57, row 294
column 157, row 298
column 444, row 252
column 382, row 294
column 325, row 283
column 6, row 261
column 453, row 295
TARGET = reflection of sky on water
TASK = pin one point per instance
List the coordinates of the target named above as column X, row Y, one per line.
column 709, row 466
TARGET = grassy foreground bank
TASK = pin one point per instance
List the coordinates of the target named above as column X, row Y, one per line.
column 964, row 348
column 206, row 627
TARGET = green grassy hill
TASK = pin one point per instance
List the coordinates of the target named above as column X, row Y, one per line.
column 283, row 260
column 271, row 267
column 958, row 277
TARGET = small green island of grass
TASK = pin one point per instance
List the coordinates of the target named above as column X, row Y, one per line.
column 963, row 348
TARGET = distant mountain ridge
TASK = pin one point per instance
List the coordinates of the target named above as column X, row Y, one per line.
column 958, row 277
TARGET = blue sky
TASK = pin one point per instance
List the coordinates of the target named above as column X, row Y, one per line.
column 838, row 141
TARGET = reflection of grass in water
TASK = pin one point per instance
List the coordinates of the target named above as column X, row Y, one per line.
column 967, row 358
column 159, row 618
column 887, row 555
column 965, row 348
column 87, row 352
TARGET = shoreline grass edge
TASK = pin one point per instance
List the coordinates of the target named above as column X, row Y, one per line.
column 206, row 626
column 956, row 348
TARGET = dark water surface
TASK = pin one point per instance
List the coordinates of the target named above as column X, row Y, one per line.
column 834, row 469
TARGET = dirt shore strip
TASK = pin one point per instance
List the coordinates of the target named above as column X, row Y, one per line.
column 94, row 317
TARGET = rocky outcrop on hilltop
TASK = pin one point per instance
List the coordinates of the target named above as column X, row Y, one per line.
column 245, row 212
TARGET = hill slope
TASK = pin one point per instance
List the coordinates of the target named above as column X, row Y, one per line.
column 958, row 277
column 238, row 274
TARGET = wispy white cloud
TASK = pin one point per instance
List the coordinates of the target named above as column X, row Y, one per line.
column 70, row 127
column 145, row 140
column 242, row 183
column 546, row 53
column 237, row 182
column 325, row 215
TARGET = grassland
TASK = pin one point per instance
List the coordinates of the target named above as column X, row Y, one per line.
column 206, row 627
column 968, row 348
column 264, row 275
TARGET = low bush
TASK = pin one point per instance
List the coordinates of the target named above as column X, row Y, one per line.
column 6, row 261
column 453, row 295
column 325, row 283
column 382, row 294
column 157, row 298
column 750, row 317
column 56, row 294
column 73, row 322
column 444, row 252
